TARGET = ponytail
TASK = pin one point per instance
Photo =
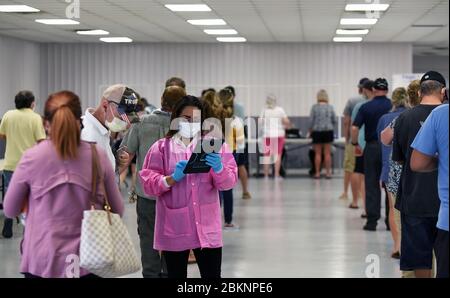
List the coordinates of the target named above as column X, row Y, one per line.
column 63, row 112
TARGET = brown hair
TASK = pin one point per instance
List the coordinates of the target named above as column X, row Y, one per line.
column 63, row 112
column 227, row 99
column 175, row 81
column 171, row 96
column 413, row 93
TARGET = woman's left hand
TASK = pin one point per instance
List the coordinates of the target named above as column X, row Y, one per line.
column 214, row 160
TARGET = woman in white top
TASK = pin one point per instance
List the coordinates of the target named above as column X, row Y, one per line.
column 273, row 121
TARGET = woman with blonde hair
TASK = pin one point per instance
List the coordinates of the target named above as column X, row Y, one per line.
column 274, row 122
column 322, row 123
column 399, row 102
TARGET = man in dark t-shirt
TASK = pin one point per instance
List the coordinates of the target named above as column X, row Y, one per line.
column 368, row 115
column 418, row 199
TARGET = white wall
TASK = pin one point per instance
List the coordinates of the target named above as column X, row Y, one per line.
column 293, row 72
column 19, row 69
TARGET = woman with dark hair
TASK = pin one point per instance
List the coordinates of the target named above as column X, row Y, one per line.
column 53, row 181
column 188, row 210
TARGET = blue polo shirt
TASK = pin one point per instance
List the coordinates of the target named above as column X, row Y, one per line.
column 370, row 113
column 432, row 140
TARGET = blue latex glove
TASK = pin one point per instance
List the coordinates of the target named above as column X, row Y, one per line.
column 214, row 160
column 178, row 172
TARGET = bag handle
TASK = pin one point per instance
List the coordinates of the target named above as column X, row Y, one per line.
column 96, row 173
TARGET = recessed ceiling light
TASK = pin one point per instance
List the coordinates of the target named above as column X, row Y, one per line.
column 188, row 7
column 231, row 39
column 207, row 22
column 17, row 8
column 366, row 7
column 116, row 39
column 358, row 21
column 347, row 39
column 352, row 31
column 57, row 22
column 92, row 32
column 220, row 31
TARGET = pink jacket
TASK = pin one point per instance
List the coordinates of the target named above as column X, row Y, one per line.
column 187, row 214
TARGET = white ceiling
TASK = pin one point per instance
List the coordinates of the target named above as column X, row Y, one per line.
column 257, row 20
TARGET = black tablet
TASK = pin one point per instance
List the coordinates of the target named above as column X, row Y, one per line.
column 197, row 162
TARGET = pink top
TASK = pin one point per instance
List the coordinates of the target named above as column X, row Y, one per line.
column 187, row 214
column 58, row 192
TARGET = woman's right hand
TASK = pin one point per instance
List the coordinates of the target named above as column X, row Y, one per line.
column 358, row 151
column 178, row 172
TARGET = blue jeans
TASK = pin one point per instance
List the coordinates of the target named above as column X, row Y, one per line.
column 7, row 175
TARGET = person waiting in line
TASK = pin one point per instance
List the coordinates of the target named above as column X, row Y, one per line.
column 110, row 116
column 242, row 156
column 349, row 153
column 358, row 187
column 368, row 115
column 322, row 122
column 274, row 122
column 431, row 151
column 395, row 168
column 418, row 199
column 233, row 134
column 53, row 179
column 188, row 208
column 176, row 81
column 399, row 102
column 138, row 142
column 22, row 128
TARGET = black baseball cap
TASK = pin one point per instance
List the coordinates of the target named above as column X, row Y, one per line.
column 380, row 84
column 362, row 81
column 433, row 76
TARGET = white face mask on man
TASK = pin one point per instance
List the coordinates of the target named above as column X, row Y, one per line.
column 188, row 129
column 116, row 125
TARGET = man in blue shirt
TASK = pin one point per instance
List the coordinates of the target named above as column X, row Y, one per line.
column 431, row 150
column 368, row 115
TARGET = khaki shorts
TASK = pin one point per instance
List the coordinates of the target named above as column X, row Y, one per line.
column 349, row 158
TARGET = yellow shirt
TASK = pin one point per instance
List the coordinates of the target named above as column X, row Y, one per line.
column 22, row 128
column 235, row 136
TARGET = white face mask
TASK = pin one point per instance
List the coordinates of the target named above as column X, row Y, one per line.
column 117, row 124
column 188, row 129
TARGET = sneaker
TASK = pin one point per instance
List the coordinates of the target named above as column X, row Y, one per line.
column 7, row 228
column 246, row 195
column 279, row 178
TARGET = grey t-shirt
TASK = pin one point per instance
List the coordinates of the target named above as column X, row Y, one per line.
column 351, row 103
column 142, row 136
column 322, row 117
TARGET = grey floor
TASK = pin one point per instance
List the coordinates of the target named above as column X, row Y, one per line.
column 292, row 228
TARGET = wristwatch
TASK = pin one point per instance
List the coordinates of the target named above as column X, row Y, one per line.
column 355, row 144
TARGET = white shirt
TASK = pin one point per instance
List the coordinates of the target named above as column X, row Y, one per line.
column 94, row 131
column 272, row 122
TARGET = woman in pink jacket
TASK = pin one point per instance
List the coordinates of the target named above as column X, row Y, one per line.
column 188, row 208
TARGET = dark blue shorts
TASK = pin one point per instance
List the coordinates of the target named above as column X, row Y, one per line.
column 418, row 238
column 241, row 158
column 441, row 249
